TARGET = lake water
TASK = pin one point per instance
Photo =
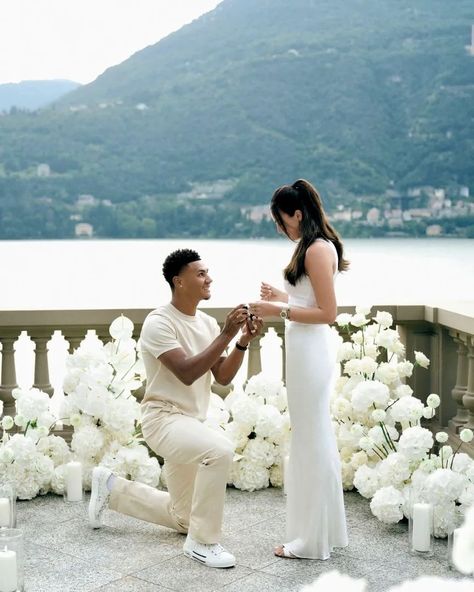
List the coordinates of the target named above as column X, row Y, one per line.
column 127, row 273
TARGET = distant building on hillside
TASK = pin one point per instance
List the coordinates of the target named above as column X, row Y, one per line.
column 85, row 200
column 434, row 230
column 257, row 213
column 83, row 229
column 43, row 170
column 373, row 216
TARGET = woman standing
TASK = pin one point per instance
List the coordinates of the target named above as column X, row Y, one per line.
column 316, row 520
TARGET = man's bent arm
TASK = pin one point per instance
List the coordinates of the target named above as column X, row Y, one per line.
column 189, row 369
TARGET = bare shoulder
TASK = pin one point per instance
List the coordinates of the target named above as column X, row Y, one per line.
column 320, row 249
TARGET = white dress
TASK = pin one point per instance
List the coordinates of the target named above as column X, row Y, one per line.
column 315, row 515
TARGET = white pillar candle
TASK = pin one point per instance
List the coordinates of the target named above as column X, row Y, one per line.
column 74, row 481
column 286, row 460
column 4, row 512
column 8, row 575
column 422, row 525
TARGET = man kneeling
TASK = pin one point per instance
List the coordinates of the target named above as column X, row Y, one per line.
column 182, row 348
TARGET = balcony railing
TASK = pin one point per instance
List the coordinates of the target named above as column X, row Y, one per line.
column 444, row 334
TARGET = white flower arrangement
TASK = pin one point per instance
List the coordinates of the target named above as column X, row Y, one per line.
column 258, row 425
column 98, row 404
column 376, row 413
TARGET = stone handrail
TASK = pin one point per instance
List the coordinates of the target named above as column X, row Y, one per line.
column 445, row 334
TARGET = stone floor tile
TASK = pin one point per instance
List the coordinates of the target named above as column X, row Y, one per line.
column 122, row 551
column 48, row 570
column 186, row 575
column 260, row 582
column 131, row 584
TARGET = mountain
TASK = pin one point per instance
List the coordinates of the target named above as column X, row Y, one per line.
column 33, row 94
column 357, row 95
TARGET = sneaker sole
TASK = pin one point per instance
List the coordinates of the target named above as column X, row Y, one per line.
column 191, row 555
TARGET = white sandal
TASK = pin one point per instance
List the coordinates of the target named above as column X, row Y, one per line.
column 285, row 553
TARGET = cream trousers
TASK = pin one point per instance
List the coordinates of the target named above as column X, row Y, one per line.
column 198, row 460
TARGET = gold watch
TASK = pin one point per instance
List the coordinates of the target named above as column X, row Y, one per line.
column 285, row 313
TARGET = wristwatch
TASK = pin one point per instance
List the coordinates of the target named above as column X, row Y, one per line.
column 285, row 313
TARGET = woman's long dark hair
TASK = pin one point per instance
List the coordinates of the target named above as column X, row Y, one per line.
column 314, row 224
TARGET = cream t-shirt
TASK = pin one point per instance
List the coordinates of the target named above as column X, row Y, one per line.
column 164, row 329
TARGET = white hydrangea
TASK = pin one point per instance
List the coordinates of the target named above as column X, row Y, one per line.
column 269, row 423
column 366, row 481
column 387, row 338
column 463, row 550
column 249, row 476
column 344, row 319
column 368, row 393
column 415, row 442
column 432, row 584
column 406, row 410
column 386, row 505
column 245, row 412
column 444, row 485
column 403, row 390
column 405, row 369
column 259, row 451
column 394, row 470
column 346, row 352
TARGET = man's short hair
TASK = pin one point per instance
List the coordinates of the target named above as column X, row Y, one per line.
column 175, row 262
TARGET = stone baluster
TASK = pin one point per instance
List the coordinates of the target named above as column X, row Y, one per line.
column 74, row 337
column 41, row 380
column 460, row 388
column 280, row 331
column 8, row 382
column 468, row 397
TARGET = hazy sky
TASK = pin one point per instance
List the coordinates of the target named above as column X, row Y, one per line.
column 79, row 39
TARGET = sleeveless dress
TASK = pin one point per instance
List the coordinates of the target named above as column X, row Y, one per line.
column 315, row 515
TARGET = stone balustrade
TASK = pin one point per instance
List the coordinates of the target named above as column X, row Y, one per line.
column 444, row 334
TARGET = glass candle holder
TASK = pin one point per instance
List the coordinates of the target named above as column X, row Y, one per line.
column 73, row 489
column 421, row 528
column 11, row 560
column 7, row 506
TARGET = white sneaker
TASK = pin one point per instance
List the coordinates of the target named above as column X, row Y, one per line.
column 211, row 555
column 99, row 495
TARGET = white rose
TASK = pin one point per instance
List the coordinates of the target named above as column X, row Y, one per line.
column 368, row 366
column 383, row 318
column 387, row 373
column 344, row 319
column 363, row 309
column 359, row 320
column 405, row 369
column 403, row 390
column 387, row 338
column 421, row 359
column 352, row 367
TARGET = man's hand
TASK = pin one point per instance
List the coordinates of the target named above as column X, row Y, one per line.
column 235, row 320
column 253, row 328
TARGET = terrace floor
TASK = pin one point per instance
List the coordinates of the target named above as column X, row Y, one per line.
column 64, row 555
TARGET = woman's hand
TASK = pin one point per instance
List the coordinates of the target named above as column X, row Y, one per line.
column 264, row 309
column 271, row 294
